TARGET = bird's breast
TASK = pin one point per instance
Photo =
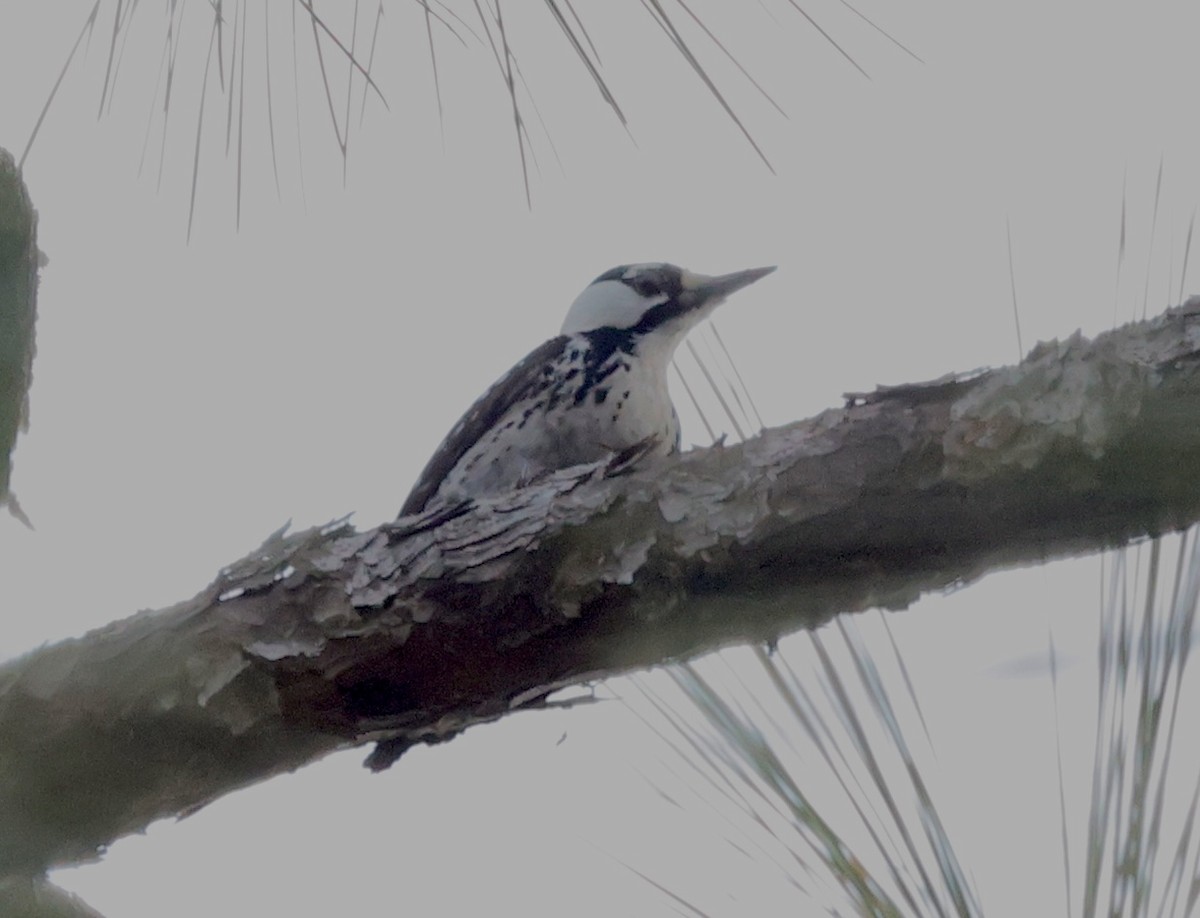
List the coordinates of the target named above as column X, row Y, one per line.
column 622, row 402
column 583, row 407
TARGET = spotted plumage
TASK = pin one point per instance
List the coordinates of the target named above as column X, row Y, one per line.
column 598, row 388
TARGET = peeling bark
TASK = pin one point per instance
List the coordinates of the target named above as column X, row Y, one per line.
column 414, row 631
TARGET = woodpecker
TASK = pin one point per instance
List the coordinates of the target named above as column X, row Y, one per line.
column 598, row 388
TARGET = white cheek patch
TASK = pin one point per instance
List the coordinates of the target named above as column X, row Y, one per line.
column 607, row 304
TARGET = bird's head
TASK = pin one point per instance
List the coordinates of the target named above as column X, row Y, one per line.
column 658, row 299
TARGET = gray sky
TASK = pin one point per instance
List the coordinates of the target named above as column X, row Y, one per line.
column 191, row 397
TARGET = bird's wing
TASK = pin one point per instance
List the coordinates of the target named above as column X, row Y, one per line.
column 479, row 419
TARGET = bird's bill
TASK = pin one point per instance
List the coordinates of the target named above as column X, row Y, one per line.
column 704, row 290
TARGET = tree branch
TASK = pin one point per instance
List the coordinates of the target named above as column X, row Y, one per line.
column 414, row 631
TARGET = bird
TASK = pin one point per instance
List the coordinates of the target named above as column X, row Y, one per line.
column 598, row 388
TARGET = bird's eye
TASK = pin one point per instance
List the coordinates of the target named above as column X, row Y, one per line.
column 646, row 287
